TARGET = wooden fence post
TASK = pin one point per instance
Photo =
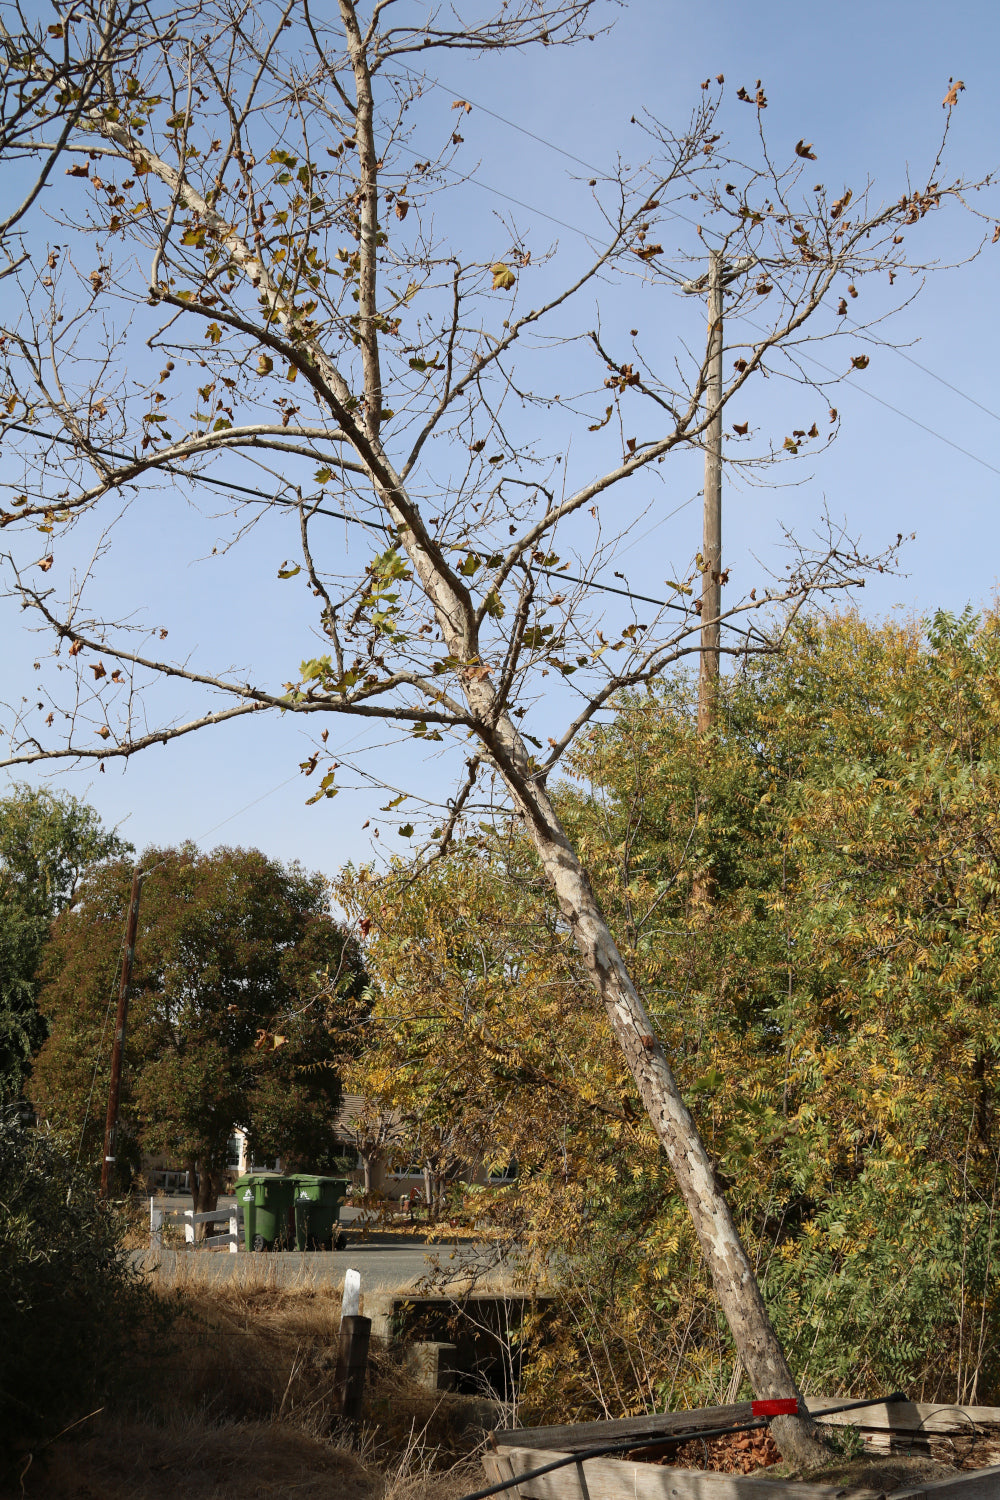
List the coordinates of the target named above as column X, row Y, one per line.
column 352, row 1355
column 352, row 1363
column 234, row 1231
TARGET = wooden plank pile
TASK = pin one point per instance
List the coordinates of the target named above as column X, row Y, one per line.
column 952, row 1434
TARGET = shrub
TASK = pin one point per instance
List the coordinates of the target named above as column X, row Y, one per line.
column 73, row 1312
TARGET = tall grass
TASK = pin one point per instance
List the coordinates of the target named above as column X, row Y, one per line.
column 238, row 1403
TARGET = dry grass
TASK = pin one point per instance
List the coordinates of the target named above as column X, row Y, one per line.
column 240, row 1404
column 142, row 1461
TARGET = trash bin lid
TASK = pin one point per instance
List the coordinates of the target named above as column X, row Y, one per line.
column 317, row 1187
column 258, row 1184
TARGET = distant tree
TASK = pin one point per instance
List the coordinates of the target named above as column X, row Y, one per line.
column 47, row 840
column 241, row 983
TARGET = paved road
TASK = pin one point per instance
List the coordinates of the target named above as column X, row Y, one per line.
column 383, row 1267
column 386, row 1262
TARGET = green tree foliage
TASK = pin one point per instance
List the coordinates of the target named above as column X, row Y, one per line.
column 243, row 994
column 73, row 1312
column 47, row 840
column 809, row 902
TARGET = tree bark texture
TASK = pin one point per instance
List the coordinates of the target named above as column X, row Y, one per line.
column 725, row 1255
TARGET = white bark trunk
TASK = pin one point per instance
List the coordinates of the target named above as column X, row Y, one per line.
column 729, row 1265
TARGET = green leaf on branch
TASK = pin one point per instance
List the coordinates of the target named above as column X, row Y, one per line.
column 326, row 788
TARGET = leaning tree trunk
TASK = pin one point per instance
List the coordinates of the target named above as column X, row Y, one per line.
column 732, row 1274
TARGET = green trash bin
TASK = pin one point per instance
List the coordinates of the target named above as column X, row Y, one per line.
column 317, row 1211
column 266, row 1199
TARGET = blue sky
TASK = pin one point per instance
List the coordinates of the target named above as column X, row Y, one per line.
column 864, row 83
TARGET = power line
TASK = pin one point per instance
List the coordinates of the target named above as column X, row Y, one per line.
column 609, row 588
column 531, row 208
column 226, row 484
column 317, row 510
column 541, row 139
column 261, row 496
column 675, row 214
column 519, row 202
column 898, row 411
column 886, row 344
column 239, row 811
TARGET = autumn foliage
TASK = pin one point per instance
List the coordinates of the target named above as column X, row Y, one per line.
column 831, row 1011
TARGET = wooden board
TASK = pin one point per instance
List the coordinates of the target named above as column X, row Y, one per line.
column 622, row 1479
column 979, row 1484
column 517, row 1451
column 571, row 1438
column 908, row 1416
column 498, row 1468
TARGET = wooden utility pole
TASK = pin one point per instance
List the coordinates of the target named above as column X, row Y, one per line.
column 720, row 273
column 118, row 1047
column 711, row 547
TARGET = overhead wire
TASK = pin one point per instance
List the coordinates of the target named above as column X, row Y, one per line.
column 896, row 410
column 496, row 192
column 887, row 344
column 676, row 214
column 241, row 489
column 262, row 497
column 266, row 499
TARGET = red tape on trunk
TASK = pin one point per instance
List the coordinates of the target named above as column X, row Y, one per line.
column 775, row 1408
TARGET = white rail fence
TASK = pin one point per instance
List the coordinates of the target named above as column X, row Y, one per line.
column 230, row 1241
